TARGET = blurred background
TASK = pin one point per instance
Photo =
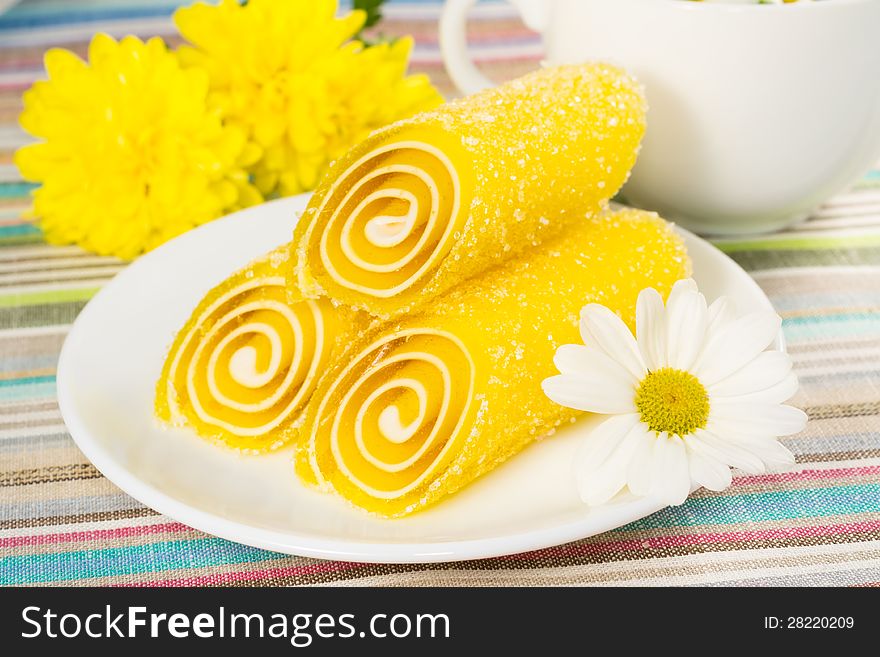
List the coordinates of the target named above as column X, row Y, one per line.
column 499, row 41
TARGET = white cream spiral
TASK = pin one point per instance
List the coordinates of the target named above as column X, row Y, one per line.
column 250, row 359
column 392, row 416
column 389, row 218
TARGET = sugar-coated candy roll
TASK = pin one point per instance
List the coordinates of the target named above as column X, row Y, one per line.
column 424, row 405
column 246, row 363
column 432, row 200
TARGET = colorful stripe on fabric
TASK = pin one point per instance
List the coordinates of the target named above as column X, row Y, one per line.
column 61, row 522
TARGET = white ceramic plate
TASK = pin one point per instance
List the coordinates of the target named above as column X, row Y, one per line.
column 113, row 356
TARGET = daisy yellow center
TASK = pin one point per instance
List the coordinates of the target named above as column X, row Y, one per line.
column 672, row 401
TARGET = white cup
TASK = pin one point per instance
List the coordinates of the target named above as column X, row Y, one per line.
column 758, row 113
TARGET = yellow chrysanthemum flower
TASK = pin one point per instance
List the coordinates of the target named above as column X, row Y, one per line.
column 131, row 155
column 289, row 73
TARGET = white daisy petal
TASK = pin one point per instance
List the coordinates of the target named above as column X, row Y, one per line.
column 726, row 451
column 595, row 449
column 746, row 388
column 670, row 476
column 638, row 474
column 590, row 381
column 601, row 484
column 776, row 456
column 775, row 394
column 685, row 327
column 680, row 287
column 755, row 419
column 705, row 470
column 589, row 393
column 719, row 314
column 578, row 360
column 651, row 328
column 657, row 465
column 735, row 345
column 604, row 329
column 765, row 371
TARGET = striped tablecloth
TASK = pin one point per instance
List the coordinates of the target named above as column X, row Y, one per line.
column 61, row 522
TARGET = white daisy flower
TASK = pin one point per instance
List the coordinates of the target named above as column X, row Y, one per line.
column 693, row 394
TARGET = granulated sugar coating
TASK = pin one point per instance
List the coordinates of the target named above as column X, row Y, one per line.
column 433, row 200
column 420, row 407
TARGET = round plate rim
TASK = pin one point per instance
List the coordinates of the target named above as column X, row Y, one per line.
column 302, row 544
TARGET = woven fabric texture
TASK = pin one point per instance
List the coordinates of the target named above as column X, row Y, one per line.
column 61, row 522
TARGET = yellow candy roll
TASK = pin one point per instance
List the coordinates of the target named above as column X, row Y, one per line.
column 423, row 406
column 433, row 200
column 245, row 364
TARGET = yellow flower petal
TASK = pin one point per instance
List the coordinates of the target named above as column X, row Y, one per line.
column 60, row 62
column 290, row 74
column 133, row 151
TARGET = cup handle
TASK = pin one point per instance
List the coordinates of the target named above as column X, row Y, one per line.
column 453, row 39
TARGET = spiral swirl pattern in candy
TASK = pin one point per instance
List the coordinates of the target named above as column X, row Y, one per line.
column 428, row 202
column 395, row 410
column 248, row 360
column 390, row 216
column 418, row 408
